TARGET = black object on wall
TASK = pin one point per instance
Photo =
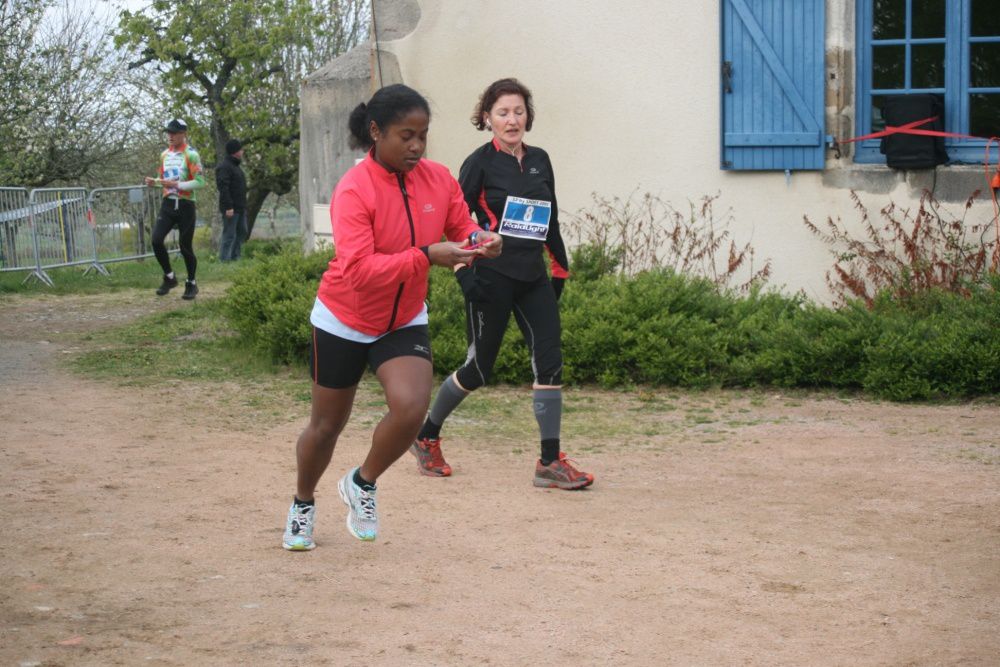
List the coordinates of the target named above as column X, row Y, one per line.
column 913, row 151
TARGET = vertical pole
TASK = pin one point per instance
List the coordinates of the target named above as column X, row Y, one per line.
column 37, row 273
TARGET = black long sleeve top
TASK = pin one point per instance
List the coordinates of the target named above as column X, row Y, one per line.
column 489, row 176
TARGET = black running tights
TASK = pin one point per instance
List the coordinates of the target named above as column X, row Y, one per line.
column 178, row 213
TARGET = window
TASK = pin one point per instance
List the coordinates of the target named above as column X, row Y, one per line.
column 772, row 84
column 947, row 47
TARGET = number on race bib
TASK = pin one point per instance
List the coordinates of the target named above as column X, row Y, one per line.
column 526, row 218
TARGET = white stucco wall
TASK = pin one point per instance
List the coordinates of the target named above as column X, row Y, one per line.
column 627, row 98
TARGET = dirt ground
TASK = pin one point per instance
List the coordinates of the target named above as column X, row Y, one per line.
column 140, row 529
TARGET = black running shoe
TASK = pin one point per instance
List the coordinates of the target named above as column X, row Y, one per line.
column 168, row 284
column 190, row 290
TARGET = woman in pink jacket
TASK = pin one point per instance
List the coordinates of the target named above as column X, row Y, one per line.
column 389, row 213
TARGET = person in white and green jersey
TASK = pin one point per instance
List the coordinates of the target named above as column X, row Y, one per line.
column 180, row 174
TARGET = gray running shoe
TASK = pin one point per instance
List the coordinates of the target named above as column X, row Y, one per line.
column 299, row 528
column 362, row 518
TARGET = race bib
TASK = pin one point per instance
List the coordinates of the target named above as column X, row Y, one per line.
column 526, row 218
column 171, row 174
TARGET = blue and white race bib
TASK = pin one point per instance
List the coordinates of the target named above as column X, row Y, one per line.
column 526, row 218
column 172, row 164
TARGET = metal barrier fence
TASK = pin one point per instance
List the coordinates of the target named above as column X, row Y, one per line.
column 47, row 228
column 123, row 219
column 62, row 235
column 17, row 246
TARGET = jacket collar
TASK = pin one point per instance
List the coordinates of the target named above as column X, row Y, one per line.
column 379, row 171
column 499, row 148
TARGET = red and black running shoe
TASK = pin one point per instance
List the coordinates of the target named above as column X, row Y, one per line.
column 430, row 460
column 561, row 474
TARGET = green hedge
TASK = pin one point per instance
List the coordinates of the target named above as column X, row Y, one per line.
column 270, row 300
column 940, row 345
column 659, row 328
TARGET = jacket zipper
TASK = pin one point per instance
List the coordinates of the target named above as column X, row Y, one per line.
column 413, row 242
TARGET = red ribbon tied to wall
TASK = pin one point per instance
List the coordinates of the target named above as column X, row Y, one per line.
column 911, row 128
column 914, row 128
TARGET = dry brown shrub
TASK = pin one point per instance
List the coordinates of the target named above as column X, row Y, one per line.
column 644, row 232
column 907, row 252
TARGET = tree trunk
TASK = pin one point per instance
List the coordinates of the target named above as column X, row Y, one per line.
column 255, row 201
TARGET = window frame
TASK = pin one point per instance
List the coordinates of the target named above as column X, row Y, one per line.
column 956, row 91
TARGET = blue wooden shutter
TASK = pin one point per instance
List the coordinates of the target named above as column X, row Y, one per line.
column 772, row 84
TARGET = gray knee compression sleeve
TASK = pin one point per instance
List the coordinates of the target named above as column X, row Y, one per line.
column 548, row 412
column 448, row 398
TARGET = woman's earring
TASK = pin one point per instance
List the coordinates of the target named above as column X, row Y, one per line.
column 488, row 126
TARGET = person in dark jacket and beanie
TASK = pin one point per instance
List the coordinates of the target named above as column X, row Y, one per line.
column 232, row 185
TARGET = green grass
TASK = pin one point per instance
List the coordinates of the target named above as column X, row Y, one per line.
column 190, row 347
column 124, row 275
column 150, row 348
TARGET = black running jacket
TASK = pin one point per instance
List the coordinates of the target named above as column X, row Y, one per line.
column 488, row 176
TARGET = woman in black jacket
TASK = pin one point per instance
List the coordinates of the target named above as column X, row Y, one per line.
column 511, row 189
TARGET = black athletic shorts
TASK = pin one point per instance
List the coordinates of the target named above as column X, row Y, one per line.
column 338, row 363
